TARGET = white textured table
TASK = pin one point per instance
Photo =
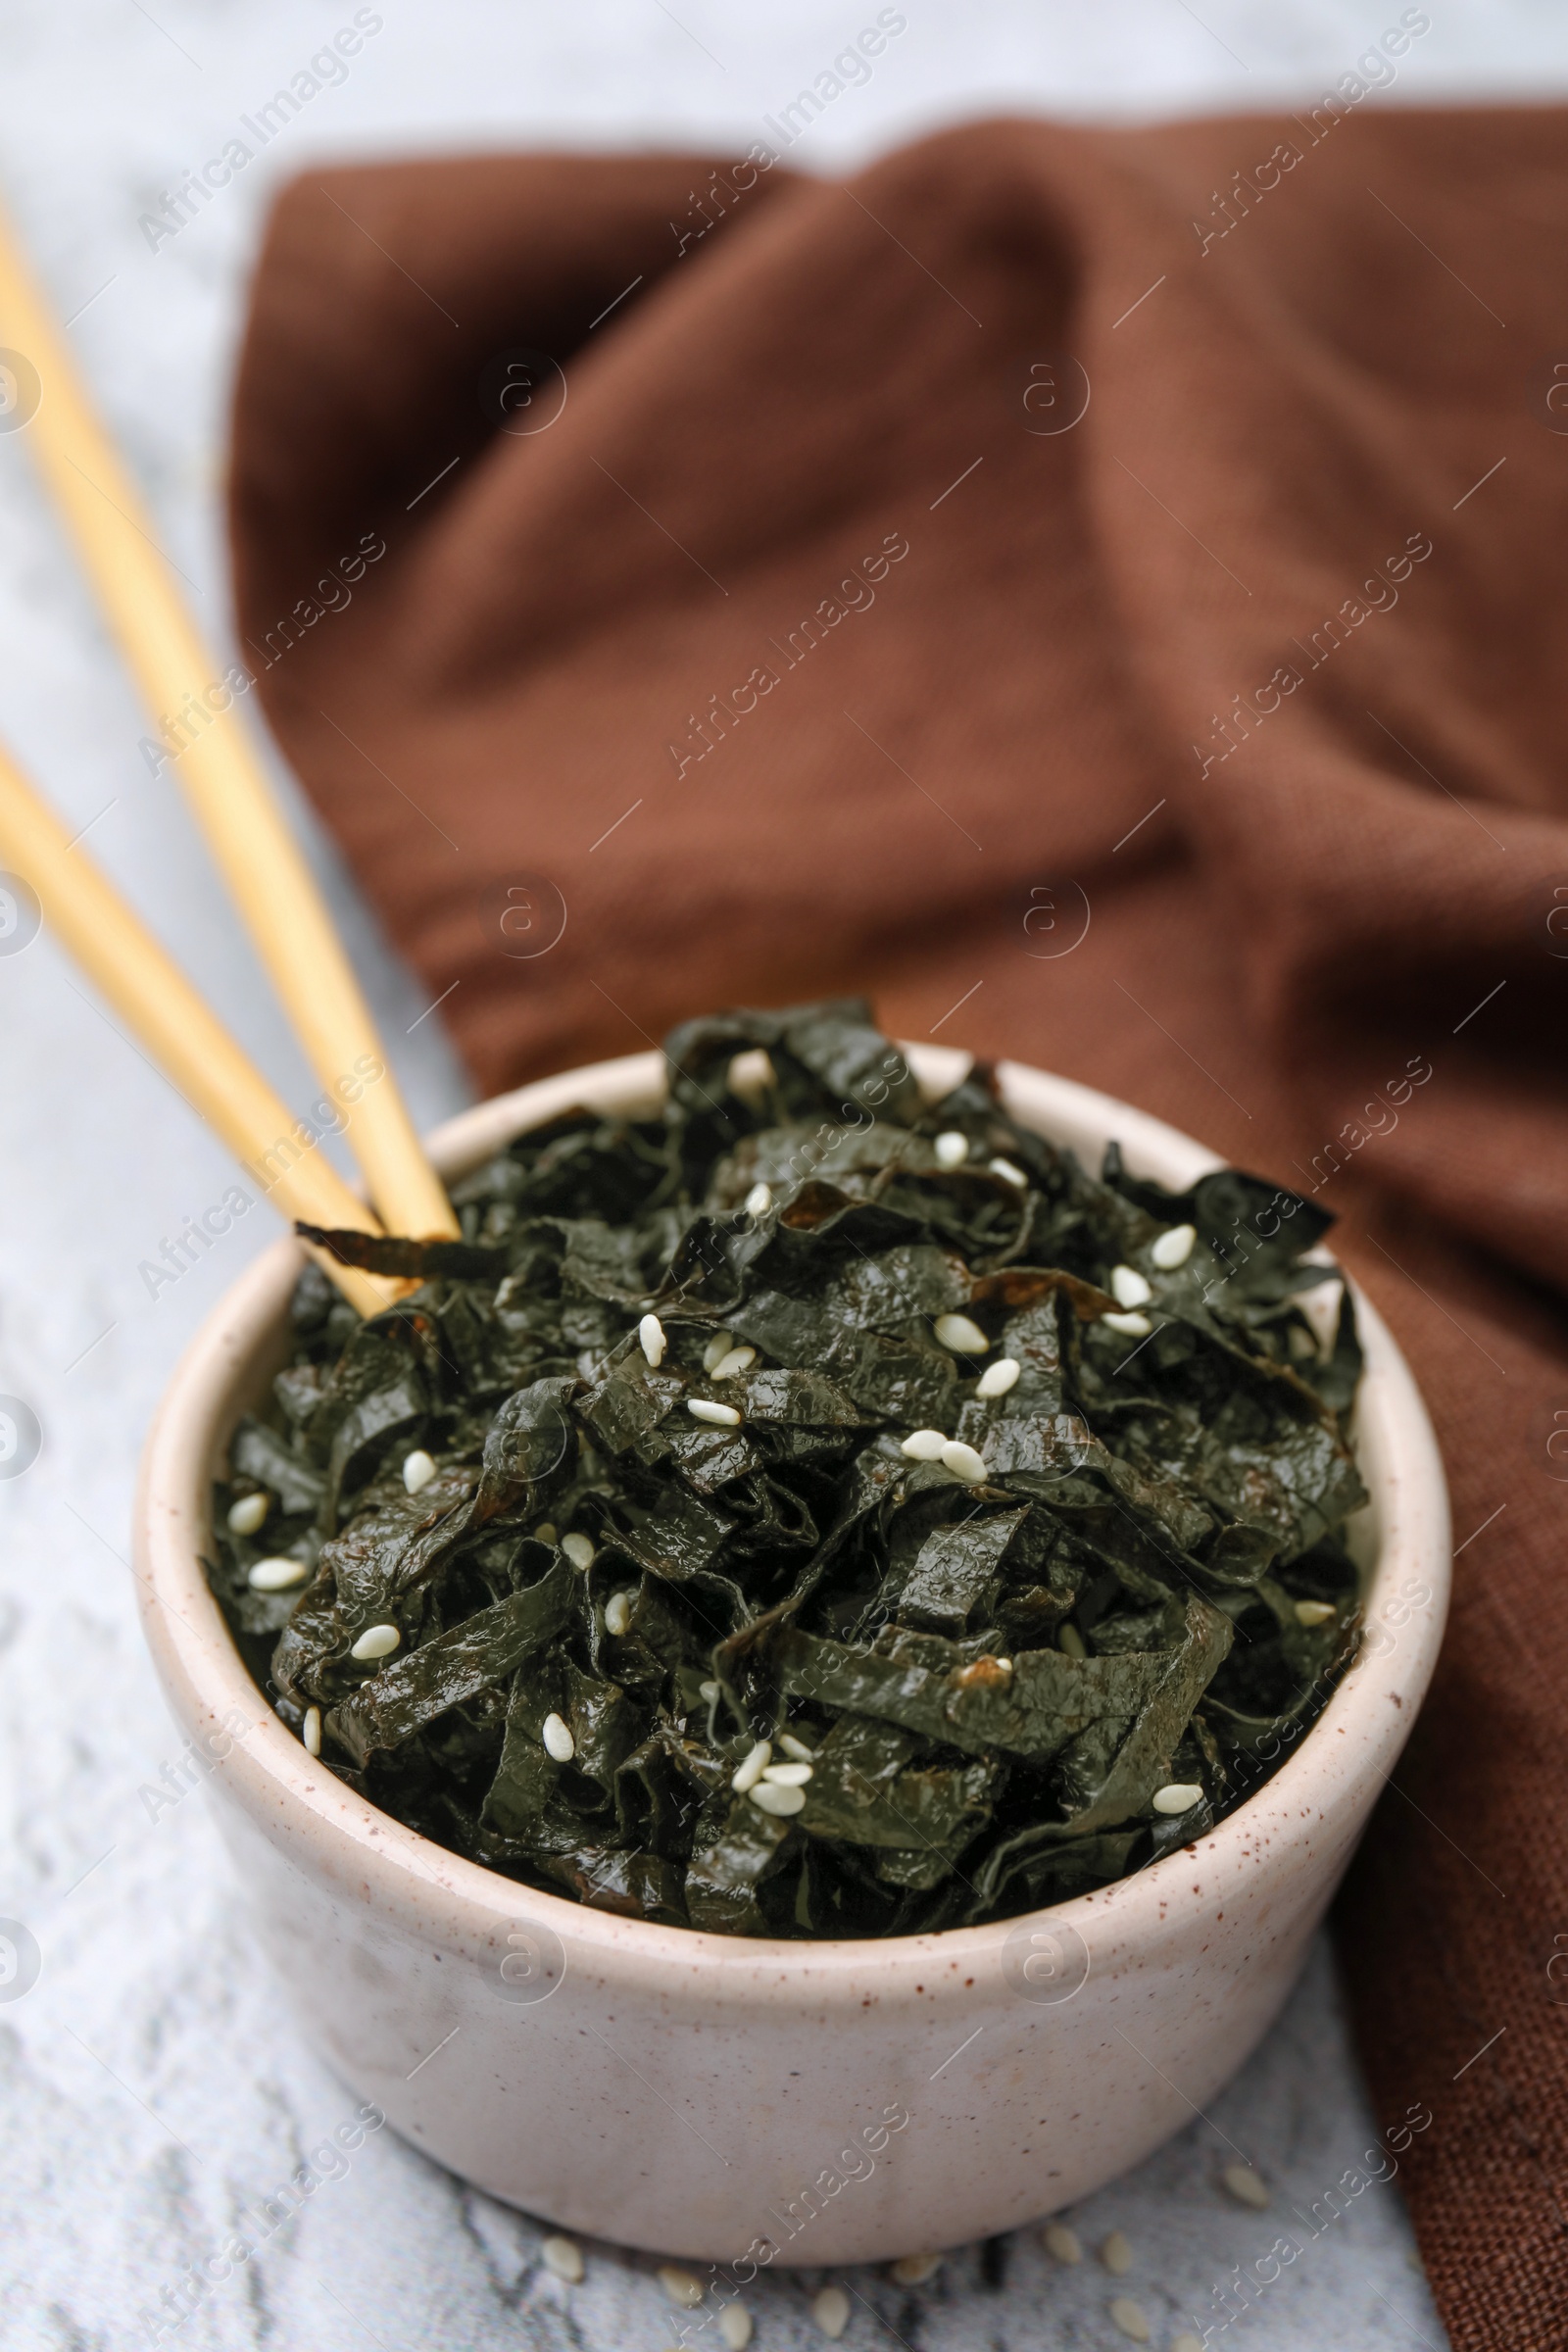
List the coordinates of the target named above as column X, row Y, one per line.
column 154, row 2087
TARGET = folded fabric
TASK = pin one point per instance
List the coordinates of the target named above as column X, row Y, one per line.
column 1103, row 593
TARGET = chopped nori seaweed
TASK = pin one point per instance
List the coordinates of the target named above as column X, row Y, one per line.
column 991, row 1676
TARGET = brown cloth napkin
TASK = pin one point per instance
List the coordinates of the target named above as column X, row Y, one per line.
column 1103, row 593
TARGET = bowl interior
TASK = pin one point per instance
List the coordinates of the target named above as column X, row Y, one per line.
column 230, row 1369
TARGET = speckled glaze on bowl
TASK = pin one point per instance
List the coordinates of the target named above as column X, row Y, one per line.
column 739, row 2103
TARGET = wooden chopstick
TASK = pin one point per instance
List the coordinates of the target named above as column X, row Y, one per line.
column 188, row 1043
column 234, row 804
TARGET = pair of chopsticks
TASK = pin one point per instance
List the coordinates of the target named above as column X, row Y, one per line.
column 258, row 856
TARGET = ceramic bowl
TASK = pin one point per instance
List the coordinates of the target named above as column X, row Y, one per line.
column 740, row 2102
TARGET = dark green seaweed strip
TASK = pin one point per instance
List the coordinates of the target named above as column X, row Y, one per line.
column 1030, row 1708
column 454, row 1666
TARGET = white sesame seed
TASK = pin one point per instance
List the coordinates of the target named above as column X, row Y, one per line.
column 997, row 1378
column 739, row 1359
column 579, row 1550
column 419, row 1468
column 1129, row 1287
column 769, row 1798
column 680, row 2287
column 787, row 1776
column 1186, row 2342
column 563, row 2256
column 952, row 1148
column 923, row 1444
column 618, row 1613
column 747, row 1774
column 1116, row 2254
column 650, row 1331
column 758, row 1200
column 545, row 1532
column 735, row 2327
column 797, row 1748
column 310, row 1732
column 277, row 1575
column 961, row 1337
column 722, row 1416
column 1136, row 1327
column 719, row 1347
column 1005, row 1664
column 1009, row 1172
column 914, row 2270
column 558, row 1740
column 1130, row 2318
column 1071, row 1641
column 1173, row 1248
column 1177, row 1796
column 1314, row 1612
column 246, row 1515
column 377, row 1641
column 831, row 2311
column 963, row 1461
column 1245, row 2187
column 1063, row 2242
